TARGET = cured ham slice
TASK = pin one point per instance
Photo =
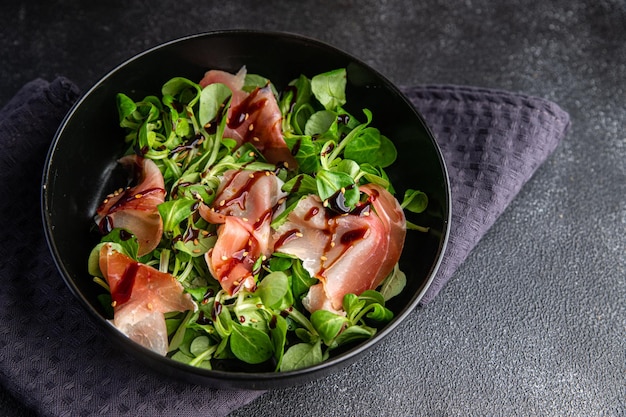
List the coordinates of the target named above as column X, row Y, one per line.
column 135, row 208
column 390, row 213
column 234, row 82
column 253, row 117
column 141, row 294
column 346, row 253
column 232, row 258
column 244, row 207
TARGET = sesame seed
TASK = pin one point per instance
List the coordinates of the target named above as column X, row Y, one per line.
column 332, row 244
column 150, row 306
column 251, row 175
column 236, row 283
column 138, row 195
column 224, row 258
column 114, row 303
column 250, row 154
column 204, row 233
column 366, row 213
column 245, row 254
column 267, row 173
column 256, row 139
column 196, row 251
column 343, row 190
column 222, row 202
column 195, row 242
column 245, row 219
column 281, row 201
column 253, row 320
column 245, row 117
column 325, row 203
column 323, row 258
column 286, row 164
column 264, row 258
column 299, row 234
column 251, row 127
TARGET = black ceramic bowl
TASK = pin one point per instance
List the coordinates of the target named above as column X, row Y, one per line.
column 84, row 153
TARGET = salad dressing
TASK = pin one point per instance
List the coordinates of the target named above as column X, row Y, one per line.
column 286, row 237
column 311, row 213
column 195, row 142
column 124, row 288
column 240, row 194
column 127, row 197
column 217, row 309
column 296, row 147
column 246, row 109
column 190, row 234
column 203, row 319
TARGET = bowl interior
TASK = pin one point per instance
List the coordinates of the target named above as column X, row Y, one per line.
column 82, row 161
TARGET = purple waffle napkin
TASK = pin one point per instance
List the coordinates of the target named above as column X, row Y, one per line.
column 56, row 362
column 492, row 142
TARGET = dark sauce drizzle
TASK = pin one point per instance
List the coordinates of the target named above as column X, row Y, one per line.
column 125, row 287
column 106, row 224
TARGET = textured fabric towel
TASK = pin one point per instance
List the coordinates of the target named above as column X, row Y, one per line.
column 492, row 143
column 54, row 360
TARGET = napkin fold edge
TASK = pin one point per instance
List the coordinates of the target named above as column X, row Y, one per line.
column 547, row 112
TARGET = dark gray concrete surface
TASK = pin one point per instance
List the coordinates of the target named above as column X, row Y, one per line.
column 534, row 322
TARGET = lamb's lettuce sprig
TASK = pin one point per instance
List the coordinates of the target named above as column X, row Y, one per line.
column 256, row 327
column 335, row 151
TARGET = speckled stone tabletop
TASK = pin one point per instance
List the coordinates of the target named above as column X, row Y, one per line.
column 534, row 321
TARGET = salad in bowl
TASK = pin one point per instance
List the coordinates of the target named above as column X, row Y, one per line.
column 241, row 219
column 255, row 226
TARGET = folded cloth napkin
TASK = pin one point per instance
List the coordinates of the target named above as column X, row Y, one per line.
column 57, row 363
column 492, row 143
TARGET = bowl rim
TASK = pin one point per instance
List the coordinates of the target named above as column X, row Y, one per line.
column 250, row 380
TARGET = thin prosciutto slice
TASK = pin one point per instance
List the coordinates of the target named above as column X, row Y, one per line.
column 346, row 253
column 253, row 117
column 243, row 207
column 135, row 208
column 141, row 294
